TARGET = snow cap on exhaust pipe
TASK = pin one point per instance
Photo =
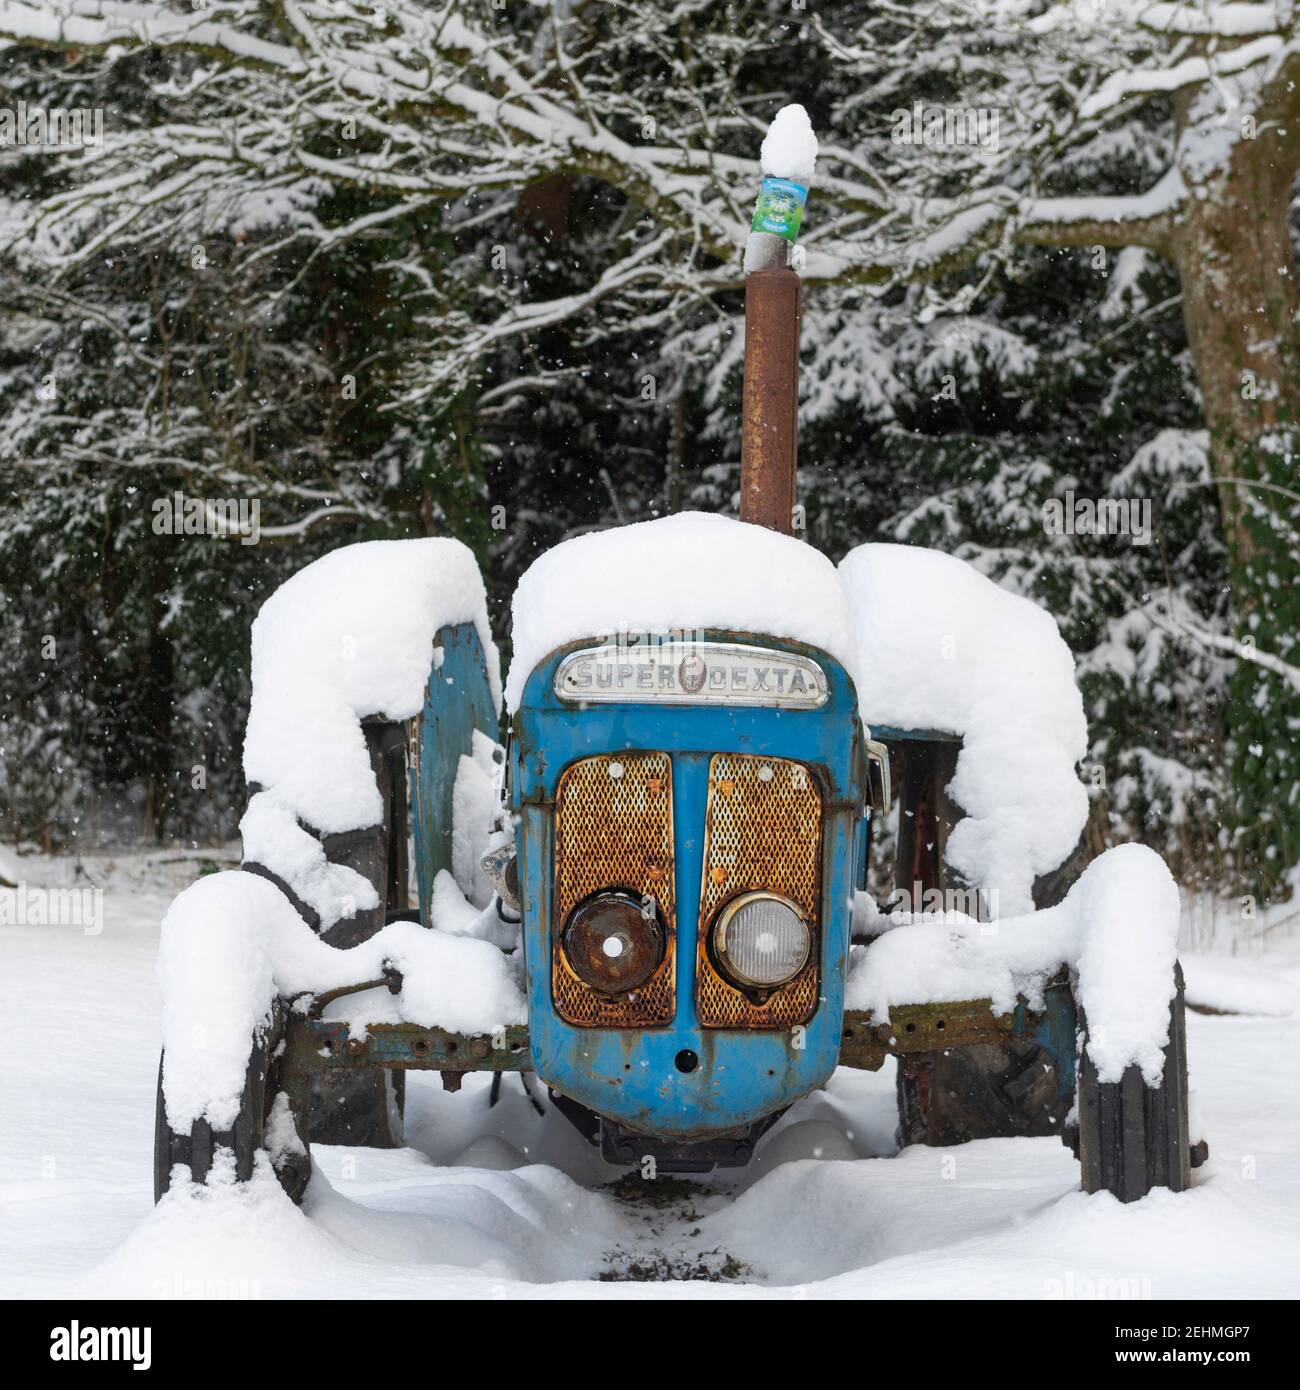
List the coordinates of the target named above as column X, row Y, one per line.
column 769, row 427
column 788, row 159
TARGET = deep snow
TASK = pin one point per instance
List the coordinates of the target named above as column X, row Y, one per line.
column 491, row 1202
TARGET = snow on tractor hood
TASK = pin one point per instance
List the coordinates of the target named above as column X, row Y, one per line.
column 929, row 642
column 681, row 573
column 943, row 647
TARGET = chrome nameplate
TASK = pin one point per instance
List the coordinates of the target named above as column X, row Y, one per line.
column 691, row 673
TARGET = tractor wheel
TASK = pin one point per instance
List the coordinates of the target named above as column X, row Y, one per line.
column 997, row 1090
column 1133, row 1137
column 368, row 1106
column 265, row 1117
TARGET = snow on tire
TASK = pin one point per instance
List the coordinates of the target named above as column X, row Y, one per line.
column 1134, row 1137
column 369, row 1107
column 267, row 1122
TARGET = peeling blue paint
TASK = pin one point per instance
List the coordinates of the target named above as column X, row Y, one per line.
column 457, row 700
column 631, row 1074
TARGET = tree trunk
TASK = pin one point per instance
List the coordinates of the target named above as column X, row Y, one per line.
column 677, row 447
column 1241, row 305
column 157, row 710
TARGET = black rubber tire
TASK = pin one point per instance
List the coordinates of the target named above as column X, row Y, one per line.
column 244, row 1139
column 359, row 1107
column 364, row 1106
column 368, row 1106
column 1133, row 1137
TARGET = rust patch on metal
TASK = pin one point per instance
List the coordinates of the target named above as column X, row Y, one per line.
column 615, row 832
column 763, row 830
column 618, row 920
column 769, row 422
column 918, row 1028
column 322, row 1045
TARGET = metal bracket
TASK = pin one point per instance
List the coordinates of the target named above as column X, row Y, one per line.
column 965, row 1023
column 920, row 1028
column 316, row 1045
column 390, row 979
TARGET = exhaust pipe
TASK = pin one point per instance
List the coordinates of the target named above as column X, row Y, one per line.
column 769, row 434
column 773, row 292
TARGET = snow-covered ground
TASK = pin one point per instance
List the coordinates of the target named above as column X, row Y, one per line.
column 504, row 1201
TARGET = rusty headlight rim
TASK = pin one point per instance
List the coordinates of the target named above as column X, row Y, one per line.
column 717, row 941
column 644, row 935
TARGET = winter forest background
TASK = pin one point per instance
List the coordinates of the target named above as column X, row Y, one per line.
column 474, row 269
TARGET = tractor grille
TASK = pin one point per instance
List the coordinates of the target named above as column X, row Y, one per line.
column 763, row 831
column 615, row 832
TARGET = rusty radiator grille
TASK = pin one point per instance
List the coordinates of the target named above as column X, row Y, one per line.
column 614, row 829
column 763, row 829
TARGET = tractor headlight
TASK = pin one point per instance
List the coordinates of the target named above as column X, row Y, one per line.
column 761, row 941
column 613, row 942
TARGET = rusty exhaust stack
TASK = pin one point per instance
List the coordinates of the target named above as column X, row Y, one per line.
column 770, row 422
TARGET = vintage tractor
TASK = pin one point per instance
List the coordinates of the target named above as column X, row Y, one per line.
column 686, row 819
column 692, row 816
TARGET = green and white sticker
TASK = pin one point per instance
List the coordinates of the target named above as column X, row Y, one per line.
column 780, row 208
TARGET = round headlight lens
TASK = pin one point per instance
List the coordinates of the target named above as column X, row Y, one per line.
column 761, row 940
column 611, row 944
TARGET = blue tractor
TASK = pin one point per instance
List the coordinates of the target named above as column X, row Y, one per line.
column 692, row 816
column 692, row 820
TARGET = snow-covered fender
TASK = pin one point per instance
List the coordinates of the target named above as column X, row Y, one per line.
column 634, row 1074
